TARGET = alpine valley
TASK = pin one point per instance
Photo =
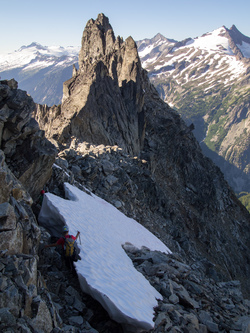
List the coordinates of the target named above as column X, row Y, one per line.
column 206, row 79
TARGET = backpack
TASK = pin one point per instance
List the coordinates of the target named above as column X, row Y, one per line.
column 69, row 247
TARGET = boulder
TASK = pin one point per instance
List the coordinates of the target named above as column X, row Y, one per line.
column 7, row 319
column 7, row 217
column 42, row 319
column 12, row 240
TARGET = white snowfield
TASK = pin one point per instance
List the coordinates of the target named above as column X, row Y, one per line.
column 36, row 55
column 105, row 271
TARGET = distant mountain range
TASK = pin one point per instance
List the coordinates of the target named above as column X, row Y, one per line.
column 206, row 79
column 40, row 70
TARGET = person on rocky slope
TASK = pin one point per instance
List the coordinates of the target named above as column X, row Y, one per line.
column 68, row 247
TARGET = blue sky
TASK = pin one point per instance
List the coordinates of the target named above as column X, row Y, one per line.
column 60, row 22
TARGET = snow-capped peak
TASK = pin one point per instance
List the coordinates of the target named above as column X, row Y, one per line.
column 27, row 54
column 215, row 41
column 34, row 44
column 54, row 50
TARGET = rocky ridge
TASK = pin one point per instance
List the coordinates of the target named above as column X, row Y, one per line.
column 110, row 102
column 37, row 294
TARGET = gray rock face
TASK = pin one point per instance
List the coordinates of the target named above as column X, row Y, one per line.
column 19, row 232
column 108, row 83
column 24, row 151
column 27, row 153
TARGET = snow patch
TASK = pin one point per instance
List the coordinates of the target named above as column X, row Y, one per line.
column 211, row 42
column 146, row 51
column 105, row 271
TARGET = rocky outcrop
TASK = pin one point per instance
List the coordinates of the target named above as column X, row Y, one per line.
column 28, row 155
column 19, row 134
column 158, row 173
column 108, row 83
column 237, row 38
column 191, row 303
column 19, row 232
column 25, row 163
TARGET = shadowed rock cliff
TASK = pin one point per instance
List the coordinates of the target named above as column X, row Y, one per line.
column 103, row 101
column 28, row 154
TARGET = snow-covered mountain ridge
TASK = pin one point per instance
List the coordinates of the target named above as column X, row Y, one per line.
column 40, row 70
column 214, row 52
column 207, row 79
column 30, row 56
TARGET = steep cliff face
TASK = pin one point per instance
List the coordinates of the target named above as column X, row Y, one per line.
column 175, row 191
column 26, row 158
column 109, row 84
column 27, row 153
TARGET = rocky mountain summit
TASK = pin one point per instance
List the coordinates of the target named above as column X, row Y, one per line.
column 115, row 136
column 207, row 80
column 108, row 82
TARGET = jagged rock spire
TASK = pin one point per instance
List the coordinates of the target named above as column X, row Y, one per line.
column 103, row 101
column 97, row 40
column 238, row 36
